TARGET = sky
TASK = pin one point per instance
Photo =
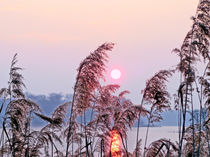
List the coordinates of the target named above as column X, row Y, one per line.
column 52, row 37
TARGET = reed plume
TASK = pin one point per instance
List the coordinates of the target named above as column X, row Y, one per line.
column 90, row 71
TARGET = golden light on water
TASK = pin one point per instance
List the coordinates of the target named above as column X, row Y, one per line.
column 115, row 144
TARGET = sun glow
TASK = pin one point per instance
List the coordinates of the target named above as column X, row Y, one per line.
column 116, row 74
column 115, row 144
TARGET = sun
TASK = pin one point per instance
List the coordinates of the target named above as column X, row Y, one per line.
column 116, row 74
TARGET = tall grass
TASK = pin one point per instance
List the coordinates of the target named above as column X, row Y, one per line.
column 111, row 112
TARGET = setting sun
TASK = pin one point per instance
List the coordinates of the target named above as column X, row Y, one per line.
column 116, row 74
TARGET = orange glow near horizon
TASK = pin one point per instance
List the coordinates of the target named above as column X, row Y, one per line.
column 115, row 144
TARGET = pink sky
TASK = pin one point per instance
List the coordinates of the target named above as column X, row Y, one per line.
column 53, row 36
